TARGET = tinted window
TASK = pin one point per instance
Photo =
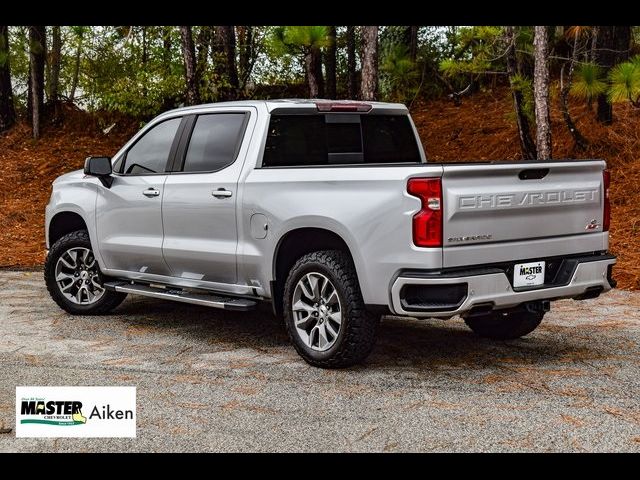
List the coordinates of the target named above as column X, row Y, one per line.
column 389, row 139
column 151, row 152
column 299, row 140
column 214, row 142
column 295, row 140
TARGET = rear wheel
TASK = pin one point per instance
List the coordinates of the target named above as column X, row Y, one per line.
column 325, row 315
column 73, row 277
column 504, row 326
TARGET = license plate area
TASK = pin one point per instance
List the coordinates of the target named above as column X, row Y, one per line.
column 529, row 274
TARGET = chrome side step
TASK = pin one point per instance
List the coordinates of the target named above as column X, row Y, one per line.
column 208, row 300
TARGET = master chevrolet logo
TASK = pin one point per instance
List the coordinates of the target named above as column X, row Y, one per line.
column 65, row 411
column 532, row 270
column 60, row 412
column 511, row 200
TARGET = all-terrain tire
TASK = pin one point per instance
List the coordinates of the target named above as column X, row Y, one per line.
column 358, row 328
column 109, row 300
column 504, row 326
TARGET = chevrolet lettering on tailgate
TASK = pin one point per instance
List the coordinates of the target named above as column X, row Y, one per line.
column 506, row 200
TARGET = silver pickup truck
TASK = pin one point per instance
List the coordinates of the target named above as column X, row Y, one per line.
column 329, row 211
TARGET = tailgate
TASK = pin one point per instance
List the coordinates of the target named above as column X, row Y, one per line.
column 555, row 207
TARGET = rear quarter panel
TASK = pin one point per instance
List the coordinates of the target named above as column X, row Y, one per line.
column 368, row 207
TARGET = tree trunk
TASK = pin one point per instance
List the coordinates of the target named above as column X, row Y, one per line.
column 218, row 59
column 56, row 54
column 613, row 44
column 527, row 146
column 37, row 56
column 352, row 87
column 565, row 88
column 622, row 42
column 224, row 55
column 594, row 43
column 189, row 58
column 230, row 52
column 76, row 69
column 412, row 42
column 245, row 54
column 317, row 63
column 7, row 109
column 605, row 58
column 330, row 64
column 369, row 84
column 591, row 57
column 145, row 55
column 202, row 44
column 541, row 92
column 310, row 62
column 166, row 50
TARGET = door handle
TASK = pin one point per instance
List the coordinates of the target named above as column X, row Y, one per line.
column 151, row 192
column 221, row 193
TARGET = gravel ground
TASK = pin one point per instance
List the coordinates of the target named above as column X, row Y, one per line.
column 211, row 380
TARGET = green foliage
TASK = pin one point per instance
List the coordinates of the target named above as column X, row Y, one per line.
column 128, row 95
column 307, row 36
column 477, row 50
column 139, row 70
column 452, row 67
column 286, row 47
column 524, row 85
column 130, row 71
column 399, row 76
column 624, row 81
column 588, row 81
column 290, row 40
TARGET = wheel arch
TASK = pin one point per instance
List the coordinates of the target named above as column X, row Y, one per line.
column 293, row 245
column 63, row 223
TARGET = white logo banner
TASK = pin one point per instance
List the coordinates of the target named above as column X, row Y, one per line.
column 75, row 412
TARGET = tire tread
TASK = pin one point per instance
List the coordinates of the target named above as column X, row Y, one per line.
column 361, row 326
column 108, row 302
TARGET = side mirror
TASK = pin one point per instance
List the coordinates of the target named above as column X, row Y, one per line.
column 99, row 167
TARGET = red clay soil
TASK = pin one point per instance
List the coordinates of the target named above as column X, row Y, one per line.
column 481, row 129
column 27, row 169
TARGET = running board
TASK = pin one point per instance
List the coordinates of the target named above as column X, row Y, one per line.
column 208, row 300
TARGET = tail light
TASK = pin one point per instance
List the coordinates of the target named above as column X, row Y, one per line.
column 427, row 223
column 606, row 211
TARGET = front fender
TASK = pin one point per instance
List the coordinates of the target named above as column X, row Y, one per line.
column 79, row 198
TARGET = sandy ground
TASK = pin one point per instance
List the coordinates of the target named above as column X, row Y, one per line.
column 211, row 380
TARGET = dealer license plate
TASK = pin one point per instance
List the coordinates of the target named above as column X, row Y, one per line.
column 528, row 274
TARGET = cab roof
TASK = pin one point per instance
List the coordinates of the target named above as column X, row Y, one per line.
column 292, row 104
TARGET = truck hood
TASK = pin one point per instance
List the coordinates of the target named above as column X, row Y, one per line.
column 71, row 176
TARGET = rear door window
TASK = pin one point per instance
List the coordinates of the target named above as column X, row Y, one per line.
column 214, row 142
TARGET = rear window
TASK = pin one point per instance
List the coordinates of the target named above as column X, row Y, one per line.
column 333, row 139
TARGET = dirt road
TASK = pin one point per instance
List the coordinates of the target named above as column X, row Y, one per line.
column 211, row 380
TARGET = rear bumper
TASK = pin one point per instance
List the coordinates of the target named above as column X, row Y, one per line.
column 454, row 293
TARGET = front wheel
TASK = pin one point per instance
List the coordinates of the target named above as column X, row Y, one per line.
column 325, row 315
column 504, row 326
column 74, row 280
